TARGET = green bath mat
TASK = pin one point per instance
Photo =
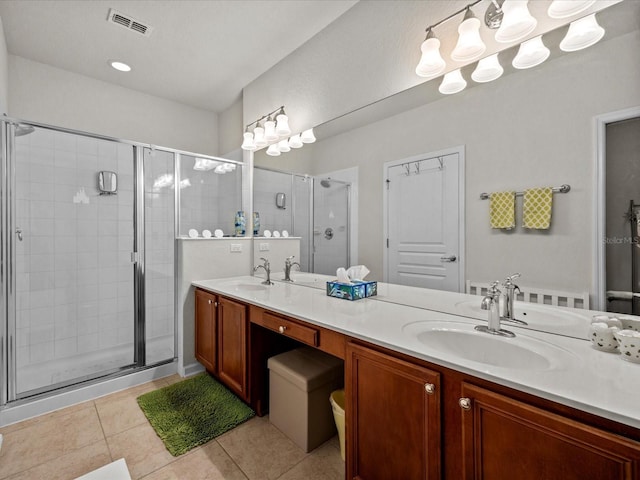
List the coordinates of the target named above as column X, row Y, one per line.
column 192, row 412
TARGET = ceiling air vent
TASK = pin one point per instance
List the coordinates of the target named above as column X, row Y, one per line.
column 129, row 22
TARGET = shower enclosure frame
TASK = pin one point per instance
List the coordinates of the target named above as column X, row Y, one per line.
column 8, row 345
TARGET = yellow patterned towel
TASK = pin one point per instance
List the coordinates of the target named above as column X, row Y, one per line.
column 537, row 208
column 502, row 210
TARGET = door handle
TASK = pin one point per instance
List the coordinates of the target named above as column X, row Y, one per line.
column 450, row 258
column 19, row 233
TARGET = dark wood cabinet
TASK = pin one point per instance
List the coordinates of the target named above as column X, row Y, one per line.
column 506, row 438
column 393, row 415
column 206, row 329
column 232, row 346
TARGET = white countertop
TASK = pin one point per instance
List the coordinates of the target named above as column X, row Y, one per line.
column 590, row 380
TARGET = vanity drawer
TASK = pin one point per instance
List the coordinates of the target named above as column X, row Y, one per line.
column 302, row 333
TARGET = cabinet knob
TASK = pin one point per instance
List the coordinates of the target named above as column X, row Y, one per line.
column 210, row 302
column 430, row 388
column 465, row 403
column 215, row 304
column 282, row 328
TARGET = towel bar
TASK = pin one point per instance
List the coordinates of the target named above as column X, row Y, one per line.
column 561, row 189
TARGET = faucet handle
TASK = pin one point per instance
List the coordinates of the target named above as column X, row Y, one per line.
column 266, row 262
column 288, row 259
column 493, row 288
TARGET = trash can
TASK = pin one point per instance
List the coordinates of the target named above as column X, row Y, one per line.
column 337, row 405
column 300, row 381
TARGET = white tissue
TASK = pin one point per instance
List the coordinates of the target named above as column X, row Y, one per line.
column 358, row 272
column 341, row 273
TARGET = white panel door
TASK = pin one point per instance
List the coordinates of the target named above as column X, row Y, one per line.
column 423, row 234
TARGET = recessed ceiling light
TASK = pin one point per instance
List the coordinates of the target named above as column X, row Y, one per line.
column 123, row 67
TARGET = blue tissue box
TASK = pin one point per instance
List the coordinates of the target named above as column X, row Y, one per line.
column 354, row 291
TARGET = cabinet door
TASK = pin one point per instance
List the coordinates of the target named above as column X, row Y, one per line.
column 393, row 418
column 232, row 345
column 505, row 438
column 206, row 329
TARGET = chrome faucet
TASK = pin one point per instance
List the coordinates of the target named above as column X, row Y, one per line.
column 491, row 303
column 267, row 268
column 287, row 268
column 509, row 314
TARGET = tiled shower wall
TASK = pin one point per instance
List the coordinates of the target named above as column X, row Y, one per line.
column 73, row 270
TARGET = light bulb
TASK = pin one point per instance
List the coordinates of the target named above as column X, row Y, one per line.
column 531, row 53
column 247, row 143
column 270, row 130
column 517, row 22
column 582, row 34
column 200, row 164
column 295, row 142
column 470, row 46
column 488, row 69
column 282, row 125
column 273, row 150
column 431, row 63
column 220, row 170
column 568, row 8
column 307, row 136
column 283, row 146
column 258, row 137
column 228, row 167
column 452, row 83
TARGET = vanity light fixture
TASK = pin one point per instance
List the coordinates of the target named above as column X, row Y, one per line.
column 295, row 142
column 307, row 136
column 568, row 8
column 582, row 34
column 283, row 146
column 452, row 83
column 273, row 150
column 120, row 66
column 282, row 124
column 248, row 143
column 258, row 136
column 517, row 22
column 531, row 53
column 431, row 63
column 488, row 69
column 470, row 46
column 270, row 130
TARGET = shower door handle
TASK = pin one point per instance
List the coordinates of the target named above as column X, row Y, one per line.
column 450, row 258
column 19, row 233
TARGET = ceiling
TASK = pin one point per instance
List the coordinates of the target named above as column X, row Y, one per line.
column 200, row 52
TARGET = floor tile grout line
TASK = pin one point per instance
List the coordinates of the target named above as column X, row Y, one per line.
column 228, row 454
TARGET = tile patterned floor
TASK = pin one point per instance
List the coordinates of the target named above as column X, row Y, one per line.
column 71, row 442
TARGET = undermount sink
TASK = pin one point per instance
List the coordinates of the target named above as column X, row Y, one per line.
column 462, row 340
column 245, row 286
column 306, row 279
column 536, row 316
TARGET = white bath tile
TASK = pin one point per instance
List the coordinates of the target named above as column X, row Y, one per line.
column 41, row 263
column 125, row 305
column 87, row 161
column 107, row 291
column 125, row 273
column 123, row 258
column 23, row 207
column 88, row 276
column 87, row 260
column 23, row 282
column 65, row 279
column 65, row 141
column 23, row 300
column 41, row 334
column 41, row 191
column 66, row 347
column 22, row 263
column 87, row 244
column 66, row 328
column 64, row 210
column 42, row 173
column 87, row 343
column 87, row 145
column 23, row 247
column 41, row 156
column 107, row 149
column 65, row 261
column 125, row 243
column 23, row 177
column 65, row 244
column 64, row 159
column 88, row 292
column 23, row 356
column 42, row 284
column 64, row 193
column 108, row 338
column 41, row 209
column 125, row 181
column 125, row 227
column 23, row 318
column 125, row 290
column 88, row 215
column 42, row 298
column 87, row 309
column 109, row 258
column 125, row 335
column 86, row 178
column 65, row 296
column 125, row 157
column 43, row 352
column 107, row 211
column 41, row 316
column 107, row 227
column 41, row 226
column 22, row 336
column 65, row 227
column 87, row 325
column 62, row 313
column 107, row 243
column 109, row 164
column 107, row 308
column 125, row 198
column 41, row 246
column 108, row 275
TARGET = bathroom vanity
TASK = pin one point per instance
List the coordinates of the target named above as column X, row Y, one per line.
column 427, row 396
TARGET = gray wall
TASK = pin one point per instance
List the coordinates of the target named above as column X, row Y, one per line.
column 42, row 93
column 4, row 73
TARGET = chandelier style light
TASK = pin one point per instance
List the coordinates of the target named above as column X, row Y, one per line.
column 275, row 134
column 513, row 23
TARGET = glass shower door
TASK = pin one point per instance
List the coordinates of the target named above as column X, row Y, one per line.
column 73, row 312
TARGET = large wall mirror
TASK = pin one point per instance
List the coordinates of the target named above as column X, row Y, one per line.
column 529, row 128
